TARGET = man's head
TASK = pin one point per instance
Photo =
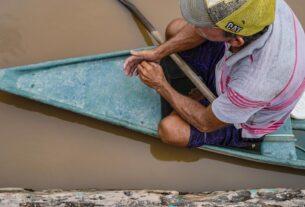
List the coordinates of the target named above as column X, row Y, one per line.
column 242, row 18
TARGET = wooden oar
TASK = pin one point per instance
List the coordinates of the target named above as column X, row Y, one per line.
column 177, row 59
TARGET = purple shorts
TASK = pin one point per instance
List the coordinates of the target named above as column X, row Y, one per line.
column 203, row 60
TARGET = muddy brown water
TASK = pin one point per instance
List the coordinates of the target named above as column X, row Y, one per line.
column 43, row 147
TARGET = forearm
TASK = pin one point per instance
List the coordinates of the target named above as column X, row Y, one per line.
column 186, row 39
column 190, row 110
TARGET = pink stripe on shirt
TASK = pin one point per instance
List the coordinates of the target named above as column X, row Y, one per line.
column 256, row 130
column 291, row 100
column 243, row 102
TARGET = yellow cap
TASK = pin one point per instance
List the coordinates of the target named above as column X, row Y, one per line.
column 252, row 17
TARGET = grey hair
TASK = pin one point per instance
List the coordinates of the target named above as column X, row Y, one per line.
column 248, row 39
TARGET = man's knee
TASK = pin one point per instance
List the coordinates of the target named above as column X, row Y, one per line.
column 174, row 27
column 165, row 131
column 172, row 131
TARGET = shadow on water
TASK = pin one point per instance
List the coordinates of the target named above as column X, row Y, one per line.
column 159, row 150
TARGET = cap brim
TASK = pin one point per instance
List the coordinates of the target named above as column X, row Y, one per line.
column 195, row 12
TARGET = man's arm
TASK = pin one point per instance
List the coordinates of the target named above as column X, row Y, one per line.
column 185, row 39
column 190, row 110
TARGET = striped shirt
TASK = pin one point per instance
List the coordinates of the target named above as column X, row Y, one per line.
column 259, row 86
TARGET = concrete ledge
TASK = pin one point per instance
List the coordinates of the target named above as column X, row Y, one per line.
column 11, row 197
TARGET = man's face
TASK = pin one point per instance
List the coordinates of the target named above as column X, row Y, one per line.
column 213, row 34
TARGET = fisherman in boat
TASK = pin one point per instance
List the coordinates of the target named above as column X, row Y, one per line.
column 250, row 53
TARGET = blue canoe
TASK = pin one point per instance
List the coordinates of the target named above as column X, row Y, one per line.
column 95, row 86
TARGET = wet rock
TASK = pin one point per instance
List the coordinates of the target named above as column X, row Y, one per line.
column 249, row 198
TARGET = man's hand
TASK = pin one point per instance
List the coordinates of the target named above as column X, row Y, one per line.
column 152, row 75
column 131, row 64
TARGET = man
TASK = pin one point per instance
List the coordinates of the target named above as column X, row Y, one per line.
column 250, row 53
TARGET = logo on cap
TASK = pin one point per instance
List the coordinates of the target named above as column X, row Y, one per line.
column 233, row 27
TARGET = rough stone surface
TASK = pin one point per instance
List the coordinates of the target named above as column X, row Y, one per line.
column 13, row 197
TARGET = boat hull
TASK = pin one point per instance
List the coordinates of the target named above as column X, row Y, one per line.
column 96, row 86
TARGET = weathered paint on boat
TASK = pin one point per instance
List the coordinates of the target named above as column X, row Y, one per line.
column 96, row 86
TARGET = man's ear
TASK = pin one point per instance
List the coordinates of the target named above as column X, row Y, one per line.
column 237, row 41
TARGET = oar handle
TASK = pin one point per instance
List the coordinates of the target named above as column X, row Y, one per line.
column 131, row 7
column 177, row 59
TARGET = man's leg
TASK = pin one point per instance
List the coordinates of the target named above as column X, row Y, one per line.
column 174, row 27
column 174, row 130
